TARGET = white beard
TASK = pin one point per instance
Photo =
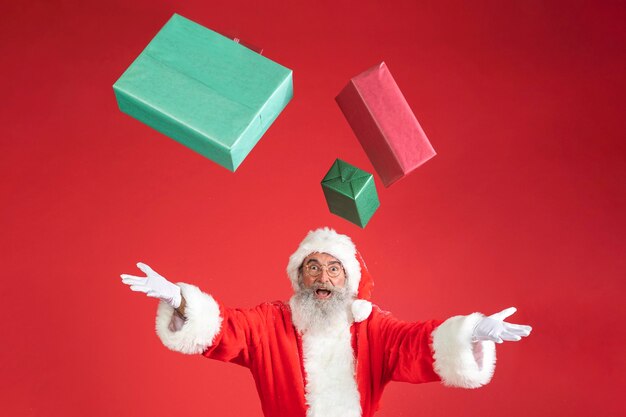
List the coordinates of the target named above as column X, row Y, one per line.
column 310, row 314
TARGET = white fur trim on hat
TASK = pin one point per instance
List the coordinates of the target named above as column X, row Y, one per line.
column 458, row 361
column 361, row 310
column 197, row 332
column 326, row 240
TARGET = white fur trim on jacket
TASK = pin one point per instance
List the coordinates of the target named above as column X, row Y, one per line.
column 331, row 389
column 326, row 240
column 458, row 361
column 197, row 332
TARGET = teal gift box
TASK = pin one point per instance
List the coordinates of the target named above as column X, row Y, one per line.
column 205, row 91
column 350, row 193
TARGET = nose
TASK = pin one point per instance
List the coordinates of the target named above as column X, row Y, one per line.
column 324, row 278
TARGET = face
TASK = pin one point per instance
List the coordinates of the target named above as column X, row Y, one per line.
column 325, row 265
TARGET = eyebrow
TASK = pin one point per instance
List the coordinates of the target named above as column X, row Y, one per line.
column 315, row 260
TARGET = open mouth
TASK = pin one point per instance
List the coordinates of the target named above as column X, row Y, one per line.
column 322, row 294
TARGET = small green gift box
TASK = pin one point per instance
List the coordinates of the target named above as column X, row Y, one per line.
column 205, row 91
column 350, row 193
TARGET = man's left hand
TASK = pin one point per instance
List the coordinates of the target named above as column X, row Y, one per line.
column 494, row 328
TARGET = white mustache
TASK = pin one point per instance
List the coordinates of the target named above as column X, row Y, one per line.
column 330, row 288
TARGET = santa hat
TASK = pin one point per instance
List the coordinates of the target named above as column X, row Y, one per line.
column 359, row 282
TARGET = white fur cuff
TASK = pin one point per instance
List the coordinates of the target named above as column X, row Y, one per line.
column 458, row 361
column 202, row 324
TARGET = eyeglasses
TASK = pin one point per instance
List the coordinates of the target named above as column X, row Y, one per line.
column 315, row 270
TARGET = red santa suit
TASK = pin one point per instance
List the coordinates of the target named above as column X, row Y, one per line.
column 340, row 370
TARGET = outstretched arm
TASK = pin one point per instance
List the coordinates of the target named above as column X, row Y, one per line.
column 464, row 349
column 188, row 320
column 460, row 351
column 191, row 321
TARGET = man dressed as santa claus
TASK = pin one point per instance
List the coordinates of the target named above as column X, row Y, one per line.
column 328, row 352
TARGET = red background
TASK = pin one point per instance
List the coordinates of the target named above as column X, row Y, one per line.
column 524, row 204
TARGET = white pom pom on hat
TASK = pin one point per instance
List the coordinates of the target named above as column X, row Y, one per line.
column 359, row 281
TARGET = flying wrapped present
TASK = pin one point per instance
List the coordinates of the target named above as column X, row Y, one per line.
column 205, row 91
column 383, row 122
column 350, row 193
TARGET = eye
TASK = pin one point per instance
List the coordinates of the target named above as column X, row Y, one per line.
column 334, row 269
column 314, row 268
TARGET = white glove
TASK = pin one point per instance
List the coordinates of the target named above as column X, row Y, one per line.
column 495, row 329
column 154, row 285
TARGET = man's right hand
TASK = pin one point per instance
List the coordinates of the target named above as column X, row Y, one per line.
column 154, row 285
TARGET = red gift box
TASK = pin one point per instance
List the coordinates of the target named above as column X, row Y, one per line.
column 384, row 124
